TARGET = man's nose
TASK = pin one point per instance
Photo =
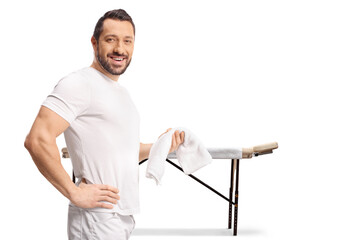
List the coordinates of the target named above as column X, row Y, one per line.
column 120, row 48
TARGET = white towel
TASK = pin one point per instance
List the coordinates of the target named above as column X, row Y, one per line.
column 191, row 154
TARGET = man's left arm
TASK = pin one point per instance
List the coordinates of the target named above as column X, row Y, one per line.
column 144, row 151
column 177, row 139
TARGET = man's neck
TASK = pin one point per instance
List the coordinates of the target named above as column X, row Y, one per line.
column 103, row 71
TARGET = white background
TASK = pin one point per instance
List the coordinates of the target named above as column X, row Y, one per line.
column 237, row 73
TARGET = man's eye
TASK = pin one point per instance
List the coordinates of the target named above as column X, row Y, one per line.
column 128, row 41
column 110, row 40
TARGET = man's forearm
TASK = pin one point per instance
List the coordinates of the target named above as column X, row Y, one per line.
column 47, row 158
column 144, row 151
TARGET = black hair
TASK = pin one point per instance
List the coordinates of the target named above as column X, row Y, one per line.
column 119, row 14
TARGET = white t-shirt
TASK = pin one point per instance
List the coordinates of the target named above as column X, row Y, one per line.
column 103, row 136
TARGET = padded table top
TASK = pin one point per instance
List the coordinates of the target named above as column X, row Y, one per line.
column 224, row 153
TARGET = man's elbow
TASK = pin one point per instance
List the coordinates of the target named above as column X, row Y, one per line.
column 27, row 142
column 30, row 143
column 35, row 141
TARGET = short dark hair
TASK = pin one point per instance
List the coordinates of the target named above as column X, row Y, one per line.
column 119, row 14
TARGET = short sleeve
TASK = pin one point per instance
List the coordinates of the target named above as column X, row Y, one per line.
column 70, row 97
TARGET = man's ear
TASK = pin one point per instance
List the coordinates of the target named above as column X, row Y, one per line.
column 94, row 43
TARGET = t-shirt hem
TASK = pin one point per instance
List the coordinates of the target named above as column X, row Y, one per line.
column 116, row 209
column 58, row 112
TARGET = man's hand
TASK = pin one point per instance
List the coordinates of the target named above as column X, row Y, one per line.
column 177, row 139
column 90, row 195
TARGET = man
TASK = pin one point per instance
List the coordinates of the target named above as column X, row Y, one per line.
column 101, row 129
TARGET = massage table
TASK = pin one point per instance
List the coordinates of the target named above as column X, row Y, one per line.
column 234, row 154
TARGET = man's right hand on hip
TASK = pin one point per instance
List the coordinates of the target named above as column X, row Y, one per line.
column 93, row 195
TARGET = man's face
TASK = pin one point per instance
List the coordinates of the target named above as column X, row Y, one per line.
column 115, row 46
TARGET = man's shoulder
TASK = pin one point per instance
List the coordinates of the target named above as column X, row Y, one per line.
column 79, row 79
column 82, row 73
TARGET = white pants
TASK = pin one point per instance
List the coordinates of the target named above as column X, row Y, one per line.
column 88, row 225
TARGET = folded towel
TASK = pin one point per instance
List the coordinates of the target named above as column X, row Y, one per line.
column 191, row 154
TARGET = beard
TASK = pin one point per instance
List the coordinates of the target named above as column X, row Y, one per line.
column 107, row 65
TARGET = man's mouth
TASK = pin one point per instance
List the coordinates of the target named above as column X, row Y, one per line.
column 117, row 59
